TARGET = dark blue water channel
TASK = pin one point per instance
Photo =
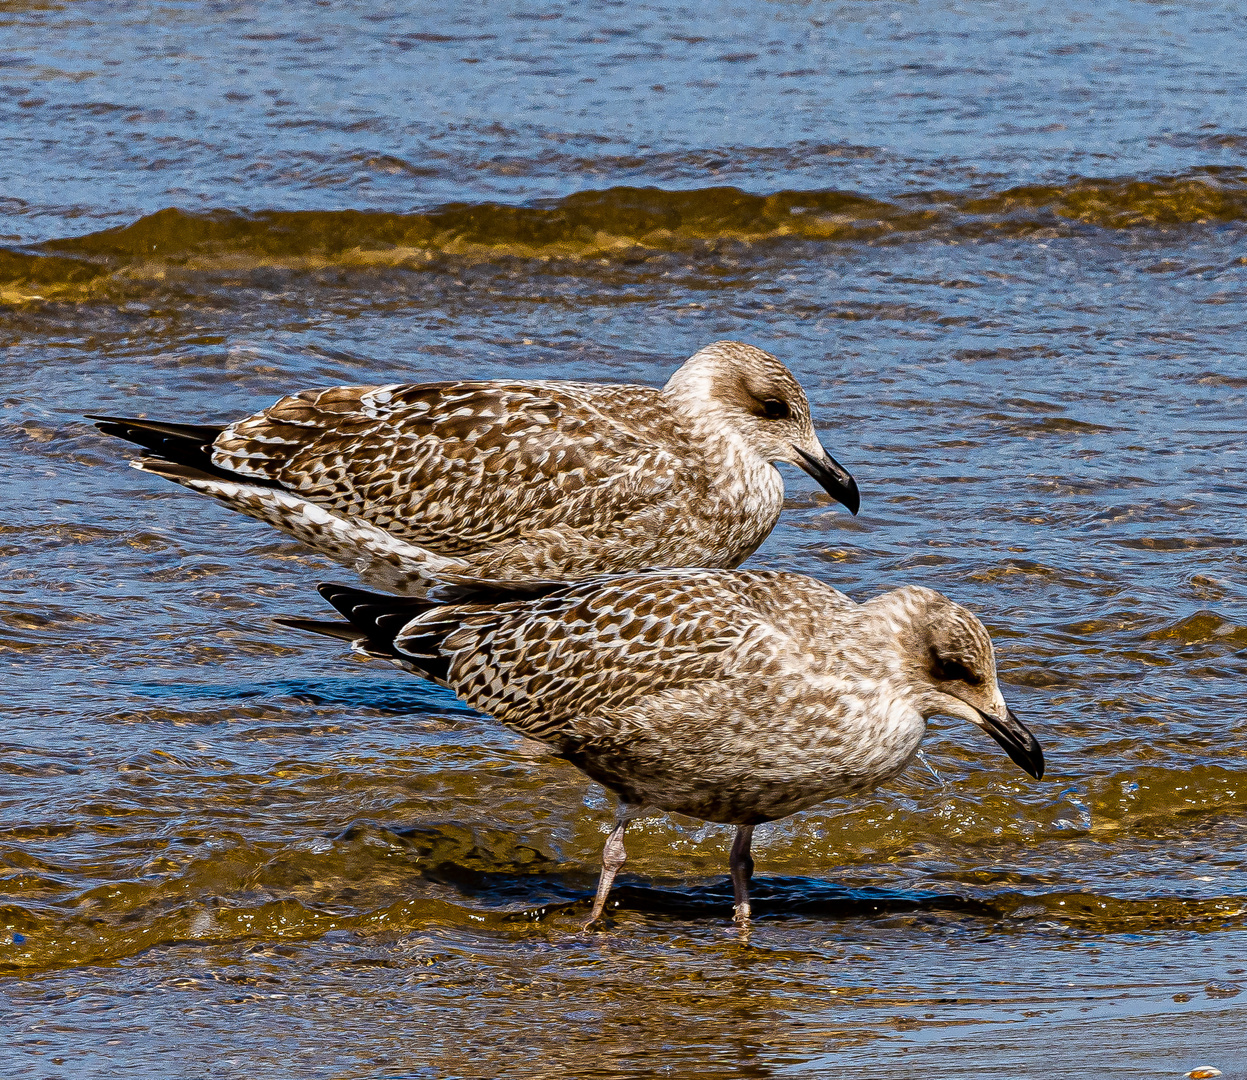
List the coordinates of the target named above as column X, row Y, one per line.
column 1004, row 246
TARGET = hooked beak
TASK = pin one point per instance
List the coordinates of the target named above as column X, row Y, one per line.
column 1017, row 741
column 833, row 477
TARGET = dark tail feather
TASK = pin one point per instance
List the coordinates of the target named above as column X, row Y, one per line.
column 183, row 444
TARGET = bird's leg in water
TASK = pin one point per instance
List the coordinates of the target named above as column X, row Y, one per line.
column 742, row 871
column 613, row 856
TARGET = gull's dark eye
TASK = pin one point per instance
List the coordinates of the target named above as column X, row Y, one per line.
column 774, row 409
column 945, row 670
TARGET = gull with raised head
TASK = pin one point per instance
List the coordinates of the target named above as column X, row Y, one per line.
column 732, row 696
column 415, row 484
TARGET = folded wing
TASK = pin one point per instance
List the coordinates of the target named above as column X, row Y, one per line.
column 593, row 648
column 457, row 467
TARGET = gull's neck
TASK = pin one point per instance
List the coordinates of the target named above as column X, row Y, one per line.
column 885, row 626
column 692, row 394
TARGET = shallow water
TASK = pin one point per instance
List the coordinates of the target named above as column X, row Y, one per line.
column 1003, row 247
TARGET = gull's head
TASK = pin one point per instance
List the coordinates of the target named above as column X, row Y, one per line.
column 950, row 662
column 740, row 388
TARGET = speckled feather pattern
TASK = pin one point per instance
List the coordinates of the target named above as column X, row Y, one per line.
column 519, row 480
column 730, row 696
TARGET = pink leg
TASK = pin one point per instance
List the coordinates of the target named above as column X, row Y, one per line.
column 613, row 856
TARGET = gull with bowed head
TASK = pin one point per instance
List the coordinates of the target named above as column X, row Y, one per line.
column 732, row 696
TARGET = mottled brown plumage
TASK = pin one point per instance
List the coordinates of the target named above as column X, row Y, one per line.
column 507, row 481
column 730, row 696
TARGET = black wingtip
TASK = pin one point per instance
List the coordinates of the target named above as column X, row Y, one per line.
column 137, row 429
column 377, row 615
column 345, row 599
column 188, row 445
column 376, row 619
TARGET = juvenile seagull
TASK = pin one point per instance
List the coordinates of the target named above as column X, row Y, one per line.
column 732, row 696
column 410, row 484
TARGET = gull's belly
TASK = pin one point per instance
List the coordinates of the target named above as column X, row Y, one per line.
column 751, row 775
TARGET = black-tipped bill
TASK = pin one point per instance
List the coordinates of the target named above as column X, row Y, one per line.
column 833, row 477
column 1017, row 741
